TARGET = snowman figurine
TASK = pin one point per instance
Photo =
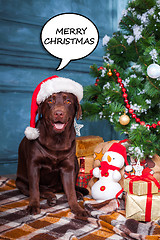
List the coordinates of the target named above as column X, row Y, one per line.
column 107, row 187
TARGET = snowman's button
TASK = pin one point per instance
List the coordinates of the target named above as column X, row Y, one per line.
column 102, row 188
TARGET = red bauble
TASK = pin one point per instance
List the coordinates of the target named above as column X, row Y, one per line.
column 97, row 80
column 126, row 101
column 117, row 74
column 122, row 85
column 133, row 115
column 148, row 125
column 142, row 123
column 100, row 68
column 115, row 70
column 96, row 84
column 125, row 95
column 137, row 120
column 154, row 125
column 123, row 90
column 119, row 80
column 131, row 111
column 158, row 123
column 127, row 106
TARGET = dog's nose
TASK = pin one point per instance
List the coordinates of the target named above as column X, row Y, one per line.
column 59, row 113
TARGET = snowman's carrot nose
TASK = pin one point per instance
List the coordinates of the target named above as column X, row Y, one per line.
column 109, row 158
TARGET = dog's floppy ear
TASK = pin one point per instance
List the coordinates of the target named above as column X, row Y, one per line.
column 79, row 110
column 40, row 111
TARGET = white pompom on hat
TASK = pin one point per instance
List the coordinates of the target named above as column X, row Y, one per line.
column 45, row 89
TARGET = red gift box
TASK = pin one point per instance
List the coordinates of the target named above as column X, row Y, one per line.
column 83, row 179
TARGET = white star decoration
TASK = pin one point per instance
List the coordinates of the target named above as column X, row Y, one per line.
column 78, row 128
column 138, row 169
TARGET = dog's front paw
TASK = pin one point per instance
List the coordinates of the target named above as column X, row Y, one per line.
column 33, row 209
column 80, row 212
column 83, row 214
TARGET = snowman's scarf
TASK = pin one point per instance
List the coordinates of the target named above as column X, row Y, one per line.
column 105, row 166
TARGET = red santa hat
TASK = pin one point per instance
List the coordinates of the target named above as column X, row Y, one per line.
column 45, row 89
column 119, row 148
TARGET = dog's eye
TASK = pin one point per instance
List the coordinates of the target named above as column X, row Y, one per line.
column 51, row 101
column 67, row 101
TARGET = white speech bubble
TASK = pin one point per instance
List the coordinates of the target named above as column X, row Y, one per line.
column 69, row 36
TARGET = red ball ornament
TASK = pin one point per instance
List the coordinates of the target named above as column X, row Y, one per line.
column 130, row 111
column 133, row 115
column 115, row 70
column 117, row 74
column 142, row 123
column 96, row 84
column 154, row 125
column 137, row 120
column 148, row 125
column 97, row 80
column 119, row 80
column 127, row 106
column 158, row 123
column 126, row 101
column 123, row 90
column 125, row 95
column 100, row 68
column 122, row 85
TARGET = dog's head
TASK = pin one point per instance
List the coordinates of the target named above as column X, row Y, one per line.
column 59, row 110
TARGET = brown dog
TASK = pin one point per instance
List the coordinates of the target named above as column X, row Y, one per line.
column 48, row 164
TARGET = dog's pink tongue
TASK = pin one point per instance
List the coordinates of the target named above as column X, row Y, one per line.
column 59, row 126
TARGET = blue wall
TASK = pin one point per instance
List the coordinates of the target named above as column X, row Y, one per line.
column 24, row 63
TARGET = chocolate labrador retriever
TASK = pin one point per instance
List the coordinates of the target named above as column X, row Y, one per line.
column 48, row 164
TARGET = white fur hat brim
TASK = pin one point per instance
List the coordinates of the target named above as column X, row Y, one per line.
column 59, row 84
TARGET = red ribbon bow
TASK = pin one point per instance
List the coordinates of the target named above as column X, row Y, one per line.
column 147, row 177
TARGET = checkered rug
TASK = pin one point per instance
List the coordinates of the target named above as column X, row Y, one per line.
column 107, row 220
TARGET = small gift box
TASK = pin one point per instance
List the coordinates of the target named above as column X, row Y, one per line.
column 86, row 163
column 139, row 187
column 83, row 179
column 144, row 208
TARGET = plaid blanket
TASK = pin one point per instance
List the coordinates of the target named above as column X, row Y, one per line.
column 107, row 220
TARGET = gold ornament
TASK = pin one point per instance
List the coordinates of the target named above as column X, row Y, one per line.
column 109, row 73
column 124, row 119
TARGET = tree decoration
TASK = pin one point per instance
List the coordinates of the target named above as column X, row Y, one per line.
column 124, row 119
column 153, row 70
column 109, row 73
column 129, row 79
column 78, row 127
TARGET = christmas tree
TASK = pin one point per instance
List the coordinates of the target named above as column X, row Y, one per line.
column 127, row 87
